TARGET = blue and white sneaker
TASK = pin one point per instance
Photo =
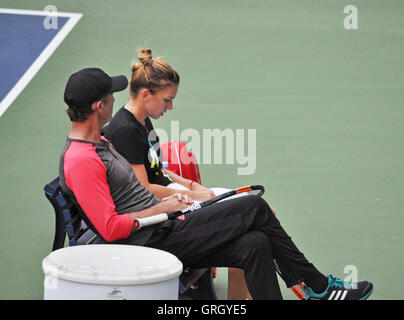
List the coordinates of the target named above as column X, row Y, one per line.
column 339, row 290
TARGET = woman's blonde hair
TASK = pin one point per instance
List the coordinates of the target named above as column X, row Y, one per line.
column 151, row 73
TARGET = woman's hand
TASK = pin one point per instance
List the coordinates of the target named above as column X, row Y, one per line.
column 199, row 192
column 182, row 198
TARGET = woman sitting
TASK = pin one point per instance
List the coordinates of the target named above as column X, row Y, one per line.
column 153, row 87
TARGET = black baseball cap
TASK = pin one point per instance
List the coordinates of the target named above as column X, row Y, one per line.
column 91, row 84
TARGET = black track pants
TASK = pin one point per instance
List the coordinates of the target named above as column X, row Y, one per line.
column 241, row 233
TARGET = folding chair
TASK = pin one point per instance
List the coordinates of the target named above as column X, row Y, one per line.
column 71, row 220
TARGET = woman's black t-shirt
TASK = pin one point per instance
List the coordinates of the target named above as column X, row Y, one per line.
column 137, row 143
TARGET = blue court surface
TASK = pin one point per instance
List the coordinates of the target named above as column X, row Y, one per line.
column 22, row 39
column 27, row 39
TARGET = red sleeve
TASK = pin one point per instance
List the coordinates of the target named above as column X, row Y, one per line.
column 88, row 181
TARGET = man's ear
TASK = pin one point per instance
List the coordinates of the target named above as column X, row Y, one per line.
column 96, row 105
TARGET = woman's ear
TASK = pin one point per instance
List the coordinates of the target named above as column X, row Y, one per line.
column 145, row 94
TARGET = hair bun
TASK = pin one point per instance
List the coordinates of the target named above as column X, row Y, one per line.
column 145, row 55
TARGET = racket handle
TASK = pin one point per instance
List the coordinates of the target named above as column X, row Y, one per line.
column 149, row 221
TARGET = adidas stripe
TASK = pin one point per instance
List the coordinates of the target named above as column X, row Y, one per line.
column 337, row 294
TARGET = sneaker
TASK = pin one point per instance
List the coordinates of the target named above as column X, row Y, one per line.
column 337, row 290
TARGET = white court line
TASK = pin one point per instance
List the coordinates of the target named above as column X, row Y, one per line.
column 45, row 54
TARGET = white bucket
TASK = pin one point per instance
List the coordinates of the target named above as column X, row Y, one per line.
column 109, row 271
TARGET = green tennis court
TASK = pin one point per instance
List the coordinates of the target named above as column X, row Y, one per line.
column 327, row 104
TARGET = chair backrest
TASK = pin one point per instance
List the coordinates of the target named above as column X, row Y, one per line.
column 68, row 219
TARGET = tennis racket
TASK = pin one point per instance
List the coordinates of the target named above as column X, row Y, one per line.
column 148, row 221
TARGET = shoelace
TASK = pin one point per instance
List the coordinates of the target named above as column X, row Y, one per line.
column 338, row 283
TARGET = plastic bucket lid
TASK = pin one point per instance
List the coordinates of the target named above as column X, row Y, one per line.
column 112, row 264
